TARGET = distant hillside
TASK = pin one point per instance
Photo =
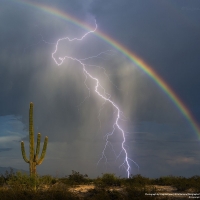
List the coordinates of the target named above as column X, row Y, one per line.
column 3, row 170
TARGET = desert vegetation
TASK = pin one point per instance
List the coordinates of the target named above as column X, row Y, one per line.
column 18, row 185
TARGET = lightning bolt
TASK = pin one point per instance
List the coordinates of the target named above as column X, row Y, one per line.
column 105, row 96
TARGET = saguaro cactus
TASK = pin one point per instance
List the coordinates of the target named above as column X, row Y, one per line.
column 33, row 160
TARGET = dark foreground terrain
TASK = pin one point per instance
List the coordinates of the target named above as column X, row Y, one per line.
column 16, row 185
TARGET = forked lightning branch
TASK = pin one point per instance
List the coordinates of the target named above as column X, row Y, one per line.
column 59, row 61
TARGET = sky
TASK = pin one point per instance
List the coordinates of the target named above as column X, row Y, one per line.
column 160, row 140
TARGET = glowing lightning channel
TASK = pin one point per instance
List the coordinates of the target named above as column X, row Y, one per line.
column 116, row 124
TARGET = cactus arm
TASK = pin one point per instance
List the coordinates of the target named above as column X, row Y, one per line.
column 23, row 152
column 31, row 132
column 43, row 151
column 38, row 146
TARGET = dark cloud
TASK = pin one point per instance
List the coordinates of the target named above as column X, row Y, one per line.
column 5, row 149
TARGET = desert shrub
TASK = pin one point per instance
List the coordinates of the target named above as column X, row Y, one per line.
column 21, row 181
column 195, row 183
column 64, row 180
column 2, row 180
column 8, row 174
column 110, row 180
column 137, row 180
column 165, row 180
column 107, row 180
column 76, row 178
column 182, row 184
column 47, row 180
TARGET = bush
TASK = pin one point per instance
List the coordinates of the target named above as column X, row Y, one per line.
column 195, row 183
column 107, row 180
column 2, row 180
column 8, row 174
column 137, row 180
column 181, row 183
column 47, row 179
column 166, row 180
column 21, row 181
column 76, row 178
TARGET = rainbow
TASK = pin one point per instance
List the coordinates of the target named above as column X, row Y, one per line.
column 133, row 57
